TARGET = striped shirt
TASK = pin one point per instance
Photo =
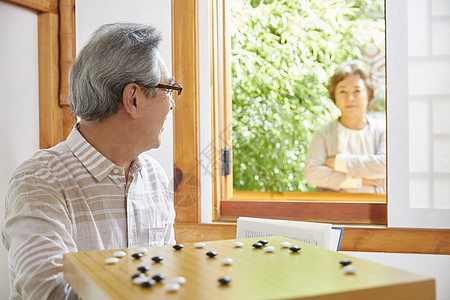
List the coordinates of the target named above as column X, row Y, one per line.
column 71, row 198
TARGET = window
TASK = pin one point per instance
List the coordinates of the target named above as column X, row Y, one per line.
column 282, row 55
column 186, row 64
column 229, row 203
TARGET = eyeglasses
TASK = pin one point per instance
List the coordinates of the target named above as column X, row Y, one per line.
column 170, row 89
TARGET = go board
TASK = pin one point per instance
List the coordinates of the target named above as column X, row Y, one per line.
column 310, row 273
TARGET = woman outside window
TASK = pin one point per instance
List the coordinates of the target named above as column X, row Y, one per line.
column 349, row 154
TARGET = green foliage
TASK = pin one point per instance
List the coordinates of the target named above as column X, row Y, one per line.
column 283, row 52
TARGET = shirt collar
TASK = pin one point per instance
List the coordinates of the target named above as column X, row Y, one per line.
column 136, row 166
column 98, row 165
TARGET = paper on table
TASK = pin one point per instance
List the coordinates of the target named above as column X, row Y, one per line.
column 319, row 234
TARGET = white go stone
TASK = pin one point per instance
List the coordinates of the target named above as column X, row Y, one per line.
column 349, row 269
column 180, row 280
column 227, row 261
column 111, row 260
column 285, row 244
column 269, row 249
column 140, row 279
column 171, row 287
column 141, row 250
column 120, row 254
column 199, row 245
column 238, row 244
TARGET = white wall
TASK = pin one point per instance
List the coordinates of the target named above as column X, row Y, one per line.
column 19, row 117
column 436, row 266
column 91, row 14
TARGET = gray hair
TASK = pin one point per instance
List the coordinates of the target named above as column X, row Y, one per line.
column 115, row 55
column 353, row 67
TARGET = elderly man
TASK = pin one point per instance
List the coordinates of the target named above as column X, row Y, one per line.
column 96, row 190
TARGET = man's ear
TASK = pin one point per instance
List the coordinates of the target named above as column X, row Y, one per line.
column 129, row 100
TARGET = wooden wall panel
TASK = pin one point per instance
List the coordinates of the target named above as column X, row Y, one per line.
column 69, row 121
column 67, row 57
column 50, row 117
column 38, row 5
column 365, row 239
column 189, row 233
column 67, row 46
column 397, row 240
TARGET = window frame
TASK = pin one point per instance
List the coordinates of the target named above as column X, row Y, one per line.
column 228, row 204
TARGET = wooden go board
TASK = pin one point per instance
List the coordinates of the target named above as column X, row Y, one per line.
column 311, row 273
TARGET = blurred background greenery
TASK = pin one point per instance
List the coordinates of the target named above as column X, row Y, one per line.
column 283, row 53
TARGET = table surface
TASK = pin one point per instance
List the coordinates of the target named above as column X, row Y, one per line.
column 311, row 273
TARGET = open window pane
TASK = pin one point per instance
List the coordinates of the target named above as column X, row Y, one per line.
column 282, row 56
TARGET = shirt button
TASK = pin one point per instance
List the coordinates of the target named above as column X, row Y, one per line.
column 116, row 171
column 131, row 235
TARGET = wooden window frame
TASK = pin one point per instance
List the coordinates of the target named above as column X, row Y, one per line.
column 56, row 48
column 229, row 204
column 186, row 137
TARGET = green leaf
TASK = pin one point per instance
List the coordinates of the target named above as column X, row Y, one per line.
column 255, row 3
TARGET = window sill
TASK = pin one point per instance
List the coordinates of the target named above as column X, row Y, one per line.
column 312, row 211
column 309, row 196
column 355, row 238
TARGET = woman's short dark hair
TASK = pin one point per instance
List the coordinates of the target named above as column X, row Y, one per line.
column 351, row 68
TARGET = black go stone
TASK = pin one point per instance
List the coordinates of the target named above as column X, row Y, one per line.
column 225, row 280
column 257, row 245
column 159, row 277
column 295, row 248
column 137, row 255
column 264, row 242
column 137, row 275
column 144, row 269
column 178, row 247
column 211, row 253
column 157, row 258
column 148, row 283
column 345, row 262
